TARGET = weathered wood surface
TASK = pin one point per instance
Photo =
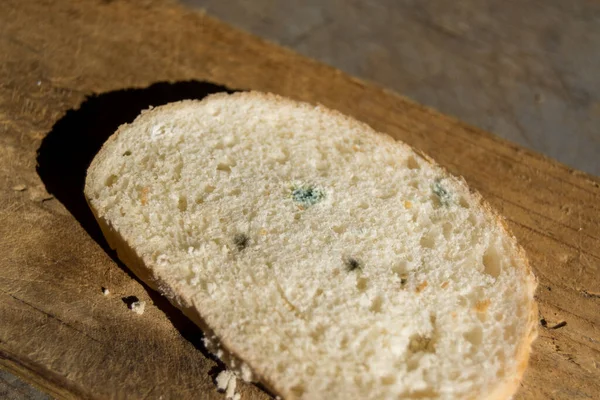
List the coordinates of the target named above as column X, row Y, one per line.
column 64, row 70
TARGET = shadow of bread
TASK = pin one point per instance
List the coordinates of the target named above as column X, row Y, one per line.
column 66, row 152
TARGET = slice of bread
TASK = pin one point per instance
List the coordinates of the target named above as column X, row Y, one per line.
column 321, row 258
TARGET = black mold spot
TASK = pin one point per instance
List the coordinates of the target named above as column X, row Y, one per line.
column 352, row 264
column 241, row 241
column 127, row 153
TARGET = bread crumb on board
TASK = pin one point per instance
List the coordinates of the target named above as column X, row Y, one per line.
column 135, row 304
column 227, row 381
column 138, row 307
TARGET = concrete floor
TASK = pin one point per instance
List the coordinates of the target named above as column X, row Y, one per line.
column 13, row 388
column 526, row 70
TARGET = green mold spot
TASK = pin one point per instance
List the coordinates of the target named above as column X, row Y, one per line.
column 442, row 194
column 307, row 196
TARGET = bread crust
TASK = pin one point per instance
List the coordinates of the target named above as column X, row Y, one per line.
column 180, row 299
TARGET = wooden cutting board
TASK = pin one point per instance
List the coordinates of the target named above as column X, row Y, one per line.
column 72, row 71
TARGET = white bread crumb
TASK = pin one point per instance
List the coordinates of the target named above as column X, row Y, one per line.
column 227, row 381
column 138, row 307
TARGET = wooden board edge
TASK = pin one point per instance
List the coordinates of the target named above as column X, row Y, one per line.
column 41, row 378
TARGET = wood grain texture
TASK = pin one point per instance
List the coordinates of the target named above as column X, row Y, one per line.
column 59, row 331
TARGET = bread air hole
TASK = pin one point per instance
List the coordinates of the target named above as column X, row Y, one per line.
column 297, row 390
column 376, row 305
column 224, row 167
column 453, row 375
column 339, row 229
column 209, row 188
column 492, row 264
column 145, row 161
column 182, row 204
column 283, row 157
column 317, row 334
column 428, row 240
column 463, row 202
column 412, row 363
column 482, row 316
column 361, row 284
column 344, row 343
column 127, row 153
column 412, row 163
column 447, row 230
column 509, row 332
column 501, row 357
column 474, row 336
column 219, row 146
column 423, row 394
column 400, row 268
column 420, row 343
column 384, row 195
column 473, row 220
column 177, row 171
column 110, row 180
